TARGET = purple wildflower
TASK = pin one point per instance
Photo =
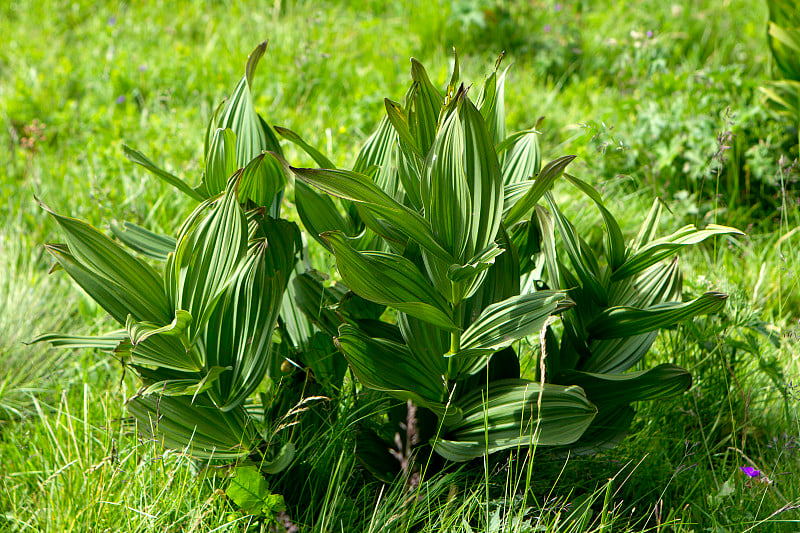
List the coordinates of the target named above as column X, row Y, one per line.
column 142, row 68
column 649, row 33
column 112, row 20
column 557, row 7
column 546, row 28
column 121, row 99
column 750, row 471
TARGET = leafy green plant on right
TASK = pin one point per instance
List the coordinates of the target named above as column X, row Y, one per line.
column 783, row 36
column 451, row 225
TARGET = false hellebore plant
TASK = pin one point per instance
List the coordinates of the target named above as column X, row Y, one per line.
column 199, row 333
column 442, row 224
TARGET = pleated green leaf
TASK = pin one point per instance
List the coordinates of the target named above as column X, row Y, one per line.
column 462, row 184
column 260, row 180
column 445, row 191
column 615, row 242
column 195, row 425
column 649, row 227
column 505, row 322
column 476, row 265
column 616, row 322
column 316, row 301
column 165, row 347
column 107, row 343
column 207, row 257
column 491, row 103
column 141, row 331
column 581, row 257
column 117, row 300
column 516, row 413
column 318, row 157
column 140, row 159
column 318, row 213
column 605, row 389
column 359, row 188
column 239, row 330
column 540, row 185
column 523, row 159
column 186, row 387
column 660, row 249
column 376, row 148
column 220, row 161
column 423, row 103
column 391, row 280
column 144, row 241
column 400, row 122
column 253, row 138
column 98, row 253
column 427, row 342
column 383, row 365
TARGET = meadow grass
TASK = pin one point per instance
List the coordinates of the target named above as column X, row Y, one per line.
column 78, row 80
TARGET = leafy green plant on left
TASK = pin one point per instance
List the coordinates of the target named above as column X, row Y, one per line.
column 198, row 331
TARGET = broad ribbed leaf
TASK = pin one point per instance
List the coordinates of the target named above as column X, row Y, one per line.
column 186, row 387
column 580, row 256
column 161, row 345
column 359, row 188
column 253, row 137
column 423, row 103
column 318, row 213
column 523, row 160
column 660, row 249
column 476, row 265
column 605, row 389
column 502, row 281
column 144, row 241
column 107, row 259
column 649, row 227
column 106, row 343
column 445, row 191
column 207, row 256
column 427, row 342
column 117, row 300
column 140, row 159
column 491, row 103
column 140, row 331
column 377, row 147
column 538, row 186
column 516, row 413
column 261, row 179
column 318, row 157
column 387, row 366
column 196, row 425
column 220, row 161
column 239, row 330
column 616, row 322
column 546, row 222
column 615, row 242
column 399, row 120
column 500, row 324
column 316, row 301
column 617, row 355
column 391, row 280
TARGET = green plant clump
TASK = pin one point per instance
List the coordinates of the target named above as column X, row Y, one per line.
column 465, row 294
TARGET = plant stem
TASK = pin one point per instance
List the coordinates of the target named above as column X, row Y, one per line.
column 455, row 339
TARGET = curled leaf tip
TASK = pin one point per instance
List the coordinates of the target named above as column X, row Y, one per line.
column 499, row 60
